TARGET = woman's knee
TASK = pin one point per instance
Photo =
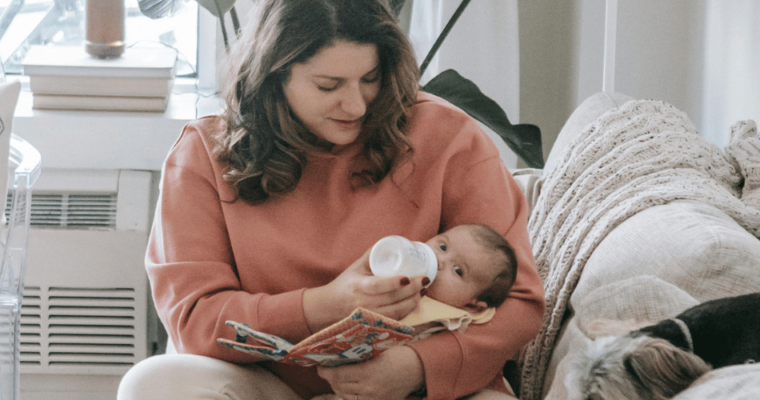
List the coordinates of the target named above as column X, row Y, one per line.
column 187, row 376
column 146, row 379
column 175, row 376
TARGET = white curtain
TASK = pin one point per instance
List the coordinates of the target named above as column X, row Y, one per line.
column 731, row 89
column 483, row 47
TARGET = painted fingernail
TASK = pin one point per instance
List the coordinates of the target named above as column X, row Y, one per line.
column 423, row 292
column 425, row 281
column 405, row 281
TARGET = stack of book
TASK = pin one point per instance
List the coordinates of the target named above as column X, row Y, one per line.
column 68, row 78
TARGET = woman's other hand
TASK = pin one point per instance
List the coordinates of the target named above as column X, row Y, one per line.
column 392, row 375
column 393, row 297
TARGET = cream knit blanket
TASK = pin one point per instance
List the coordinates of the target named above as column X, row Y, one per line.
column 643, row 154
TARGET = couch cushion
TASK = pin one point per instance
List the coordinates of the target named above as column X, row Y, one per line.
column 736, row 383
column 630, row 304
column 570, row 338
column 691, row 245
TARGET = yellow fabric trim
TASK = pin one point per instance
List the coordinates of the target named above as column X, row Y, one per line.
column 430, row 310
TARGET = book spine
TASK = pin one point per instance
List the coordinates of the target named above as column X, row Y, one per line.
column 112, row 72
column 99, row 103
column 99, row 86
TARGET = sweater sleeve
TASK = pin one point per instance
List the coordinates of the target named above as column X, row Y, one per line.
column 191, row 265
column 484, row 191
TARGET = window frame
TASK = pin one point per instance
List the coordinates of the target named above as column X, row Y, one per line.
column 206, row 56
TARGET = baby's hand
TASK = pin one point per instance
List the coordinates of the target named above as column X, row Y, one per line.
column 326, row 397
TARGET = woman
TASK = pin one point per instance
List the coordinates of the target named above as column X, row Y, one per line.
column 267, row 214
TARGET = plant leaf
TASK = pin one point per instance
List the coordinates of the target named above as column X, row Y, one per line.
column 523, row 139
column 211, row 6
column 155, row 9
column 396, row 6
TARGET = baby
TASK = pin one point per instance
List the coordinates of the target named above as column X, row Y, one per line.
column 476, row 269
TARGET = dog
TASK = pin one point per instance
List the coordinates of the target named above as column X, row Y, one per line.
column 659, row 361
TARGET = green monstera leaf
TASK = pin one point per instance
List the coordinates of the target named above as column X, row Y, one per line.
column 217, row 7
column 396, row 6
column 156, row 9
column 523, row 139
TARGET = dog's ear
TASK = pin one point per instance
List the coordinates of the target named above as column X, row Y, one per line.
column 661, row 370
column 580, row 363
column 585, row 377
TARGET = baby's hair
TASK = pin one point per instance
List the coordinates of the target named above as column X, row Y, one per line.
column 490, row 239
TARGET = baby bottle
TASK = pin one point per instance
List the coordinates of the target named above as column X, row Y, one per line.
column 398, row 256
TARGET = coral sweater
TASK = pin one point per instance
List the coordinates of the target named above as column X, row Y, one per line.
column 211, row 260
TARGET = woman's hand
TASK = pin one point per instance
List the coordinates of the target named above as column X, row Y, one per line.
column 392, row 375
column 393, row 297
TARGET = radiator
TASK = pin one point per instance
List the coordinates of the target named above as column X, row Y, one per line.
column 85, row 312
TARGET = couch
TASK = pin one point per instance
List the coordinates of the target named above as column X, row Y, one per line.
column 660, row 250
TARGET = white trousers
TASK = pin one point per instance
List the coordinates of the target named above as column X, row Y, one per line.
column 189, row 377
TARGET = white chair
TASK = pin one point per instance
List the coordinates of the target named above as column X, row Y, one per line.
column 24, row 168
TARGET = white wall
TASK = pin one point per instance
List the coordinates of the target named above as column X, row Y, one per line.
column 660, row 52
column 702, row 56
column 548, row 75
column 659, row 47
column 731, row 67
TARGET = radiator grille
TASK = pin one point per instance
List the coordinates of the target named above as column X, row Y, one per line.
column 83, row 327
column 68, row 210
column 31, row 327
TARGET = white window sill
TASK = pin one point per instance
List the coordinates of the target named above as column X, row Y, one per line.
column 109, row 140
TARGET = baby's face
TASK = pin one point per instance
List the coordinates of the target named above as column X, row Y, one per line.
column 465, row 268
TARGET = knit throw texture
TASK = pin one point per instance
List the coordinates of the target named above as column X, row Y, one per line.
column 642, row 154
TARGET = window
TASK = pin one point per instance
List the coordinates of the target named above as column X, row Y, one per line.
column 24, row 23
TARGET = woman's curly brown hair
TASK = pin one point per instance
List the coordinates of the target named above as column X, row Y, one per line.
column 264, row 145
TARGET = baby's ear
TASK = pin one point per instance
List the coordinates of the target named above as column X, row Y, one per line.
column 476, row 306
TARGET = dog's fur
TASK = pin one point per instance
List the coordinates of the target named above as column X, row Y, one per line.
column 655, row 362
